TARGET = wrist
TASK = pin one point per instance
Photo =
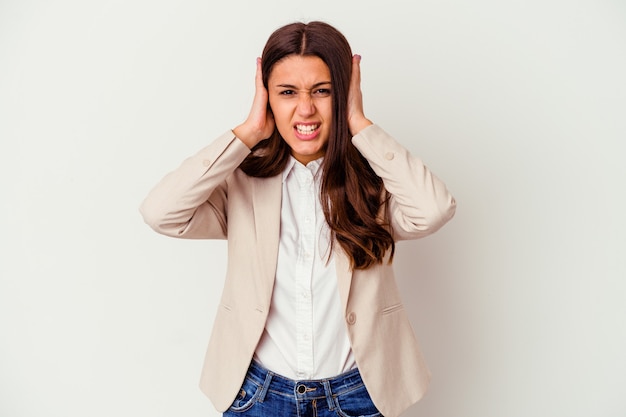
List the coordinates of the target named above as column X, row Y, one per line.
column 357, row 125
column 246, row 135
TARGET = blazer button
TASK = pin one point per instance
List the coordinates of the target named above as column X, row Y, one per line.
column 206, row 162
column 389, row 156
column 351, row 318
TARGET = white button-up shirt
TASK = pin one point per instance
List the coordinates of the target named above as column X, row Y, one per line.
column 305, row 335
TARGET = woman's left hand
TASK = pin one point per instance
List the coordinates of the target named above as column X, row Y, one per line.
column 356, row 117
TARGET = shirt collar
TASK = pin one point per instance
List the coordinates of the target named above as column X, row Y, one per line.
column 313, row 166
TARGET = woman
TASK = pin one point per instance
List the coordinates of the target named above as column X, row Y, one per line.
column 311, row 196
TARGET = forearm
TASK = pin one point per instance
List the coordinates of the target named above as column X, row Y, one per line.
column 191, row 200
column 420, row 202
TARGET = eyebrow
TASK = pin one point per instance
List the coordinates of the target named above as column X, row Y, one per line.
column 295, row 88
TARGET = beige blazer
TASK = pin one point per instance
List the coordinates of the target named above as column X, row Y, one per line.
column 209, row 197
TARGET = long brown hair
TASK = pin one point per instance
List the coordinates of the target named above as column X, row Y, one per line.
column 352, row 195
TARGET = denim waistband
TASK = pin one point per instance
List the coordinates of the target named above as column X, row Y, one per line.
column 304, row 390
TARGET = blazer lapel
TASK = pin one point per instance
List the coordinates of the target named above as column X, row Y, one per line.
column 344, row 275
column 267, row 193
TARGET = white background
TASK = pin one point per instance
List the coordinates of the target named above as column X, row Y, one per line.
column 520, row 106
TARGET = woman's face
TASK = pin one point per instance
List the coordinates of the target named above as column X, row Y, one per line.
column 299, row 91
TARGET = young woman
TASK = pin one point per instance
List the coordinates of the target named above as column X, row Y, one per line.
column 311, row 196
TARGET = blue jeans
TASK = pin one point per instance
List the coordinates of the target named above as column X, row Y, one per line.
column 266, row 394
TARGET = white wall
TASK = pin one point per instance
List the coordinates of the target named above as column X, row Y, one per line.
column 519, row 302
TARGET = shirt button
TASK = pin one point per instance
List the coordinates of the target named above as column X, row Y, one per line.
column 389, row 156
column 351, row 318
column 206, row 162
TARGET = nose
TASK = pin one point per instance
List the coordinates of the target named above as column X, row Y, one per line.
column 306, row 107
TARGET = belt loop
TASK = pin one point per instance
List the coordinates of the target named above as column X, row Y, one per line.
column 266, row 386
column 329, row 395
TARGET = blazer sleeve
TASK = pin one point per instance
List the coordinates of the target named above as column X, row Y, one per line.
column 419, row 201
column 191, row 201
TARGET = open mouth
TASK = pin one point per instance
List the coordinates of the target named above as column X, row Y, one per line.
column 307, row 129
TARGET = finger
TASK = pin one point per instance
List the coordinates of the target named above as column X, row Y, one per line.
column 355, row 99
column 356, row 70
column 260, row 94
column 258, row 79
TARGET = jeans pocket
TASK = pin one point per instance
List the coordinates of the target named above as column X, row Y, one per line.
column 356, row 403
column 247, row 397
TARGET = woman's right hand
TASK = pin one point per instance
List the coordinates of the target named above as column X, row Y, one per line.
column 260, row 123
